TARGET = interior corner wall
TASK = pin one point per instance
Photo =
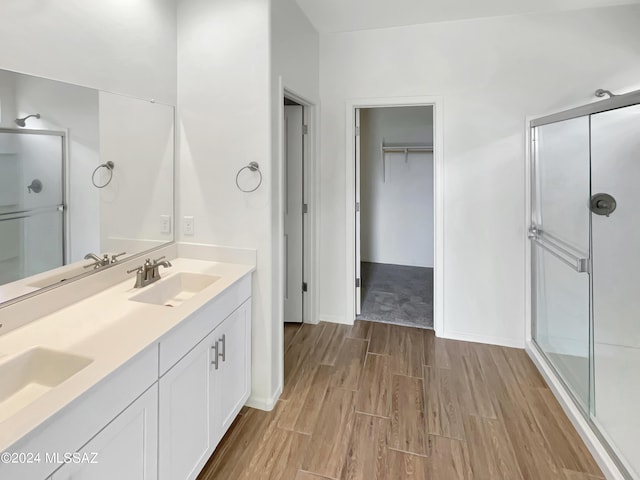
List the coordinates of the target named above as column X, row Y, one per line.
column 396, row 205
column 122, row 47
column 490, row 73
column 295, row 63
column 224, row 122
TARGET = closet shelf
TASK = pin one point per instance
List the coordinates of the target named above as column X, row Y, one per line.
column 401, row 148
column 407, row 148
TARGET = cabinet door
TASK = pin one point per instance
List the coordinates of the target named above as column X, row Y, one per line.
column 185, row 415
column 126, row 448
column 231, row 380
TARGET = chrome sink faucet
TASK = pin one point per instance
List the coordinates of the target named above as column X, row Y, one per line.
column 102, row 262
column 149, row 272
column 98, row 262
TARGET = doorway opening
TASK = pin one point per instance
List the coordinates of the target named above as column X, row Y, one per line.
column 395, row 214
column 295, row 209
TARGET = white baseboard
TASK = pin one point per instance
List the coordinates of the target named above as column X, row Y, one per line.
column 467, row 337
column 334, row 319
column 262, row 403
column 599, row 452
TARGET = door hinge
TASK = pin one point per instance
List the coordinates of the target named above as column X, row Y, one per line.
column 358, row 283
column 357, row 131
column 305, row 208
column 305, row 129
column 357, row 206
column 305, row 287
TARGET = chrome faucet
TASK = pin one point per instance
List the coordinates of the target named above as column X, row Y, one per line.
column 102, row 262
column 149, row 272
column 98, row 262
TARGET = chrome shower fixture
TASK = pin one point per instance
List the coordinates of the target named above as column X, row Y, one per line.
column 22, row 122
column 601, row 92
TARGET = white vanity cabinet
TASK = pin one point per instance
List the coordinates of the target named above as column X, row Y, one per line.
column 126, row 448
column 185, row 411
column 201, row 395
column 231, row 380
column 158, row 413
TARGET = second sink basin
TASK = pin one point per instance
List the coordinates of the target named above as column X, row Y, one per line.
column 31, row 374
column 174, row 290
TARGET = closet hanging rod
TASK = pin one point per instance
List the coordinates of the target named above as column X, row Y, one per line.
column 400, row 148
column 407, row 148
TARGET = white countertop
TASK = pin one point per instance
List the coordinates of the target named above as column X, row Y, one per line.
column 107, row 328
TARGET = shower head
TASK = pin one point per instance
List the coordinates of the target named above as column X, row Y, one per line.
column 22, row 122
column 601, row 92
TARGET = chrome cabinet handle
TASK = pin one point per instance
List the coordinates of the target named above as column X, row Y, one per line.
column 215, row 355
column 224, row 347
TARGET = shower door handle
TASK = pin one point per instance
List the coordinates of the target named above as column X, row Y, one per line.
column 578, row 262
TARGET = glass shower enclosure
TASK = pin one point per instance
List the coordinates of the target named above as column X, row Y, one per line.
column 585, row 253
column 31, row 202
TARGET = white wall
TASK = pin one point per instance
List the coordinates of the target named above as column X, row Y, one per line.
column 231, row 54
column 396, row 212
column 491, row 73
column 224, row 123
column 114, row 45
column 295, row 64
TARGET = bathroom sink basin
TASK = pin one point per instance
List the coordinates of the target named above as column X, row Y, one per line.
column 31, row 374
column 174, row 290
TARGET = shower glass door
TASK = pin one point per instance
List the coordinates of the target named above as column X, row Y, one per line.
column 31, row 202
column 615, row 164
column 560, row 250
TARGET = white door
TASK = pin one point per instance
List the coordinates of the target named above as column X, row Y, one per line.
column 357, row 219
column 293, row 203
column 126, row 448
column 185, row 412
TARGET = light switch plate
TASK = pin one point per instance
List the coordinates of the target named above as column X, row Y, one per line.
column 188, row 225
column 165, row 223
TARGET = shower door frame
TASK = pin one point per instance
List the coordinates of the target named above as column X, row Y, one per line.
column 611, row 465
column 64, row 178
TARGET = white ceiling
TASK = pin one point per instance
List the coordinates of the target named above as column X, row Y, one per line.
column 349, row 15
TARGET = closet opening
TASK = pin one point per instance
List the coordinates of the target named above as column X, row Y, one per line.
column 394, row 215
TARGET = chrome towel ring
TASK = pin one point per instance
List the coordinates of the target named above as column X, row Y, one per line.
column 254, row 167
column 109, row 166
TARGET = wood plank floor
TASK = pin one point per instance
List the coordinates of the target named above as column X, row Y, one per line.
column 379, row 401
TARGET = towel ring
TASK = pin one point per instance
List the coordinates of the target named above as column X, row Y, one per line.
column 254, row 167
column 109, row 166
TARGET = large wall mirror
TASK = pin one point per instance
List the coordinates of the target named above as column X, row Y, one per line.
column 86, row 179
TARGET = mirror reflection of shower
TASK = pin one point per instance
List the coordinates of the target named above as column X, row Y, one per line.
column 22, row 122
